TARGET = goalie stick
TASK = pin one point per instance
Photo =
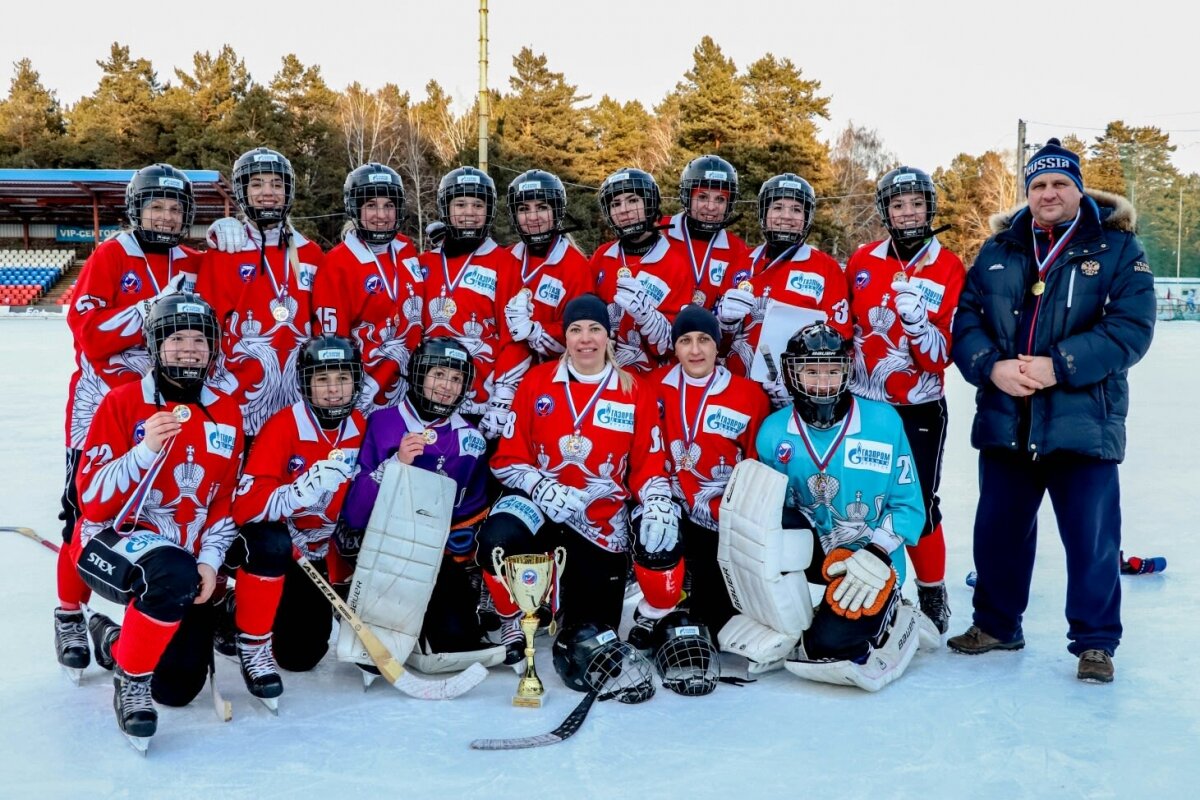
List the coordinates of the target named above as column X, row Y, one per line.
column 389, row 667
column 221, row 706
column 564, row 731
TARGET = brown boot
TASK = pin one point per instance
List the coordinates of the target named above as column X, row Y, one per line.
column 975, row 641
column 1095, row 666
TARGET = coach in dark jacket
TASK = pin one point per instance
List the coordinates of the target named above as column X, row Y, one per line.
column 1057, row 307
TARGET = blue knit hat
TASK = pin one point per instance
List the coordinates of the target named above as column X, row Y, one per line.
column 588, row 307
column 1054, row 158
column 695, row 318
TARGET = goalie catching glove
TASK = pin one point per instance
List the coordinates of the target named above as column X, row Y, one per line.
column 859, row 580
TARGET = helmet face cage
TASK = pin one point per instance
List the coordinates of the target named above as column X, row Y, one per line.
column 467, row 182
column 818, row 345
column 263, row 161
column 537, row 184
column 366, row 183
column 175, row 313
column 593, row 658
column 708, row 172
column 644, row 186
column 685, row 657
column 906, row 180
column 787, row 186
column 323, row 354
column 159, row 181
column 441, row 351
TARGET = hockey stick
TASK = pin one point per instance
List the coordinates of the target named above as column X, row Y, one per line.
column 564, row 731
column 772, row 371
column 223, row 707
column 389, row 667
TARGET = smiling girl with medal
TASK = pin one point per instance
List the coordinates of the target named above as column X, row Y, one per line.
column 903, row 293
column 258, row 275
column 291, row 492
column 585, row 452
column 370, row 288
column 118, row 282
column 710, row 420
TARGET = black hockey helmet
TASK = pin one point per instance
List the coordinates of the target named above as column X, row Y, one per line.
column 537, row 184
column 440, row 351
column 708, row 172
column 365, row 183
column 684, row 654
column 159, row 181
column 818, row 344
column 323, row 353
column 263, row 161
column 788, row 186
column 590, row 657
column 642, row 184
column 181, row 312
column 467, row 182
column 907, row 180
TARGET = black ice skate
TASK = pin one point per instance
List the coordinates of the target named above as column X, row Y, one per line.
column 70, row 643
column 104, row 634
column 259, row 669
column 935, row 604
column 513, row 639
column 136, row 716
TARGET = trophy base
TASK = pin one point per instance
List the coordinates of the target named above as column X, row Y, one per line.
column 523, row 701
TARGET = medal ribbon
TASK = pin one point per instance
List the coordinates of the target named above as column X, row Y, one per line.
column 1044, row 264
column 526, row 278
column 698, row 271
column 138, row 498
column 452, row 285
column 341, row 431
column 822, row 462
column 786, row 254
column 392, row 289
column 916, row 259
column 435, row 423
column 689, row 435
column 280, row 293
column 170, row 270
column 577, row 419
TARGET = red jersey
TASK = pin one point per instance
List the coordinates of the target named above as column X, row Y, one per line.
column 711, row 261
column 110, row 346
column 891, row 363
column 265, row 313
column 375, row 300
column 555, row 280
column 613, row 453
column 708, row 434
column 290, row 443
column 464, row 298
column 190, row 491
column 809, row 279
column 666, row 276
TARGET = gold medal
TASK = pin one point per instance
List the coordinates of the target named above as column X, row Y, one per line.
column 698, row 298
column 337, row 454
column 900, row 277
column 450, row 306
column 526, row 292
column 820, row 481
column 280, row 313
column 182, row 413
column 1038, row 288
column 429, row 435
column 624, row 272
column 686, row 462
column 746, row 286
column 574, row 444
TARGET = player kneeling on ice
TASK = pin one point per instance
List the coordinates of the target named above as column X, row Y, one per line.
column 292, row 488
column 423, row 605
column 841, row 470
column 160, row 467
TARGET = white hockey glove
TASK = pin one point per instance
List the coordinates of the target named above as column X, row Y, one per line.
column 558, row 501
column 518, row 312
column 227, row 235
column 778, row 392
column 660, row 524
column 632, row 297
column 174, row 286
column 910, row 305
column 323, row 476
column 498, row 419
column 735, row 306
column 858, row 579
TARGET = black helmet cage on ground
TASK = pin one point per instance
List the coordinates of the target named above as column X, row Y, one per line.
column 592, row 658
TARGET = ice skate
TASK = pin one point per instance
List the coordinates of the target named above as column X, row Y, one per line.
column 136, row 715
column 259, row 669
column 70, row 643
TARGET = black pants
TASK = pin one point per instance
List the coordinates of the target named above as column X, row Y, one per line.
column 70, row 496
column 708, row 598
column 925, row 427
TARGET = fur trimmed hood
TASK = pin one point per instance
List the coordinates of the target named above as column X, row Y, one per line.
column 1122, row 215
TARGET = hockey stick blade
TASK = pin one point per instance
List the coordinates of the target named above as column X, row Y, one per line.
column 769, row 360
column 30, row 533
column 564, row 731
column 389, row 667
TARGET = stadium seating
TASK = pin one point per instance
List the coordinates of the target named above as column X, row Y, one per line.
column 27, row 275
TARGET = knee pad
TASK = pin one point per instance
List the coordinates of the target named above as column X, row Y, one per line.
column 662, row 588
column 171, row 584
column 268, row 548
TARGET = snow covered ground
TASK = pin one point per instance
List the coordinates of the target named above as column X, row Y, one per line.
column 999, row 725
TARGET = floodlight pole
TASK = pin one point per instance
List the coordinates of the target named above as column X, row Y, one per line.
column 483, row 89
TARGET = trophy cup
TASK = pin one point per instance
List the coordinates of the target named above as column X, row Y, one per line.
column 528, row 579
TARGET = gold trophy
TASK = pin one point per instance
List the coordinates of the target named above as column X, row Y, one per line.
column 529, row 579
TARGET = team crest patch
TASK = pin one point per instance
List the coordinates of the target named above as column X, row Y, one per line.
column 862, row 278
column 373, row 284
column 543, row 405
column 139, row 431
column 1090, row 268
column 1142, row 266
column 296, row 464
column 741, row 275
column 131, row 283
column 783, row 453
column 246, row 272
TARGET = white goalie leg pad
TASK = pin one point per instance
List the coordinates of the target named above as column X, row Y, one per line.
column 399, row 560
column 884, row 664
column 763, row 564
column 765, row 648
column 434, row 663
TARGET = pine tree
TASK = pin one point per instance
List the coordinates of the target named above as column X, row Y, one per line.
column 31, row 122
column 117, row 127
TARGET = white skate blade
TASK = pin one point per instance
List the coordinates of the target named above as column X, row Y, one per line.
column 139, row 743
column 74, row 674
column 763, row 667
column 519, row 667
column 270, row 703
column 368, row 678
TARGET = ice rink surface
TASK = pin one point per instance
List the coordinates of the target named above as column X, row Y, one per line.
column 1003, row 725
